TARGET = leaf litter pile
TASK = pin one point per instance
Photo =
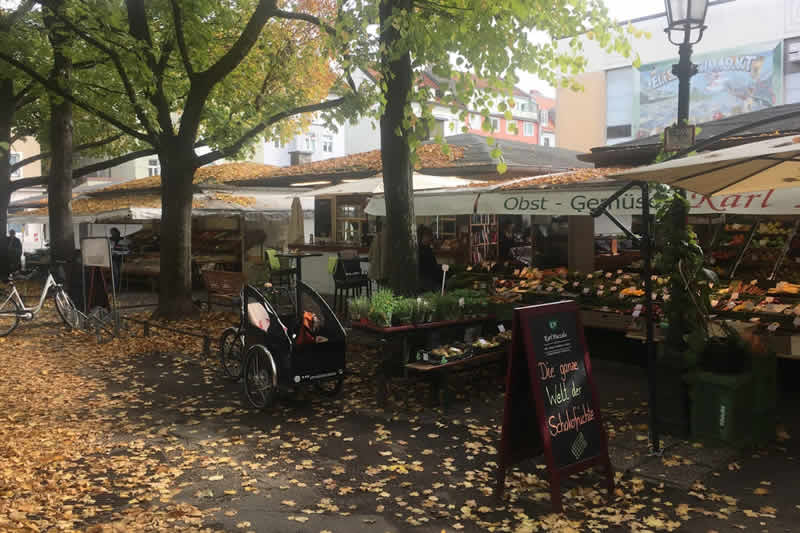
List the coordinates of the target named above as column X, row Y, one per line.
column 144, row 434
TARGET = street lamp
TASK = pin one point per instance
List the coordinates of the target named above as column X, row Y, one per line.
column 687, row 16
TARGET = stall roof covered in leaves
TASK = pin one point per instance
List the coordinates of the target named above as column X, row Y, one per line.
column 467, row 155
column 208, row 175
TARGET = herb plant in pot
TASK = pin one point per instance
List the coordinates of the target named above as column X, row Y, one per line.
column 403, row 311
column 381, row 308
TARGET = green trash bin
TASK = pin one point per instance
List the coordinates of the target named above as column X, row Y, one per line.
column 721, row 407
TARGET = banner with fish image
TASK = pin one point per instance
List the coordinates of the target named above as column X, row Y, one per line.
column 728, row 82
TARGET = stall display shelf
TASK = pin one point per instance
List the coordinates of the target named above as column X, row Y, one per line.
column 752, row 246
column 483, row 242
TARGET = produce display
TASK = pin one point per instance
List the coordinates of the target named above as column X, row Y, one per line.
column 757, row 246
column 461, row 350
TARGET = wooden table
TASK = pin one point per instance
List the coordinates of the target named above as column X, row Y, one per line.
column 394, row 362
column 437, row 374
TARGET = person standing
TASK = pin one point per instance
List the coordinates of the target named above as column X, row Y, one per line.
column 118, row 250
column 14, row 251
column 506, row 242
column 430, row 273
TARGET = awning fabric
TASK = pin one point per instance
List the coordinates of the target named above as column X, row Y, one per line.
column 758, row 166
column 375, row 185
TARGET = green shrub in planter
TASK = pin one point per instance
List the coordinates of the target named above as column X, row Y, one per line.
column 403, row 311
column 382, row 307
column 447, row 308
column 358, row 308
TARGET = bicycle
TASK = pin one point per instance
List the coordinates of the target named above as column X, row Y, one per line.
column 13, row 309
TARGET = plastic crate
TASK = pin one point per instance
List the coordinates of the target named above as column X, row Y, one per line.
column 721, row 407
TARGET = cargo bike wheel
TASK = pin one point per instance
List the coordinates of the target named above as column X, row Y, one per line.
column 260, row 377
column 231, row 353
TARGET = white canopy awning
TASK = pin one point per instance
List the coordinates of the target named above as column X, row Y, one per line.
column 374, row 185
column 757, row 166
column 579, row 200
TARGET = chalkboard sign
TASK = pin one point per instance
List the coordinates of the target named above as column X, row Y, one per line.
column 550, row 373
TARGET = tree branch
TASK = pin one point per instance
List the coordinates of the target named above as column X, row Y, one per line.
column 79, row 148
column 54, row 88
column 123, row 74
column 255, row 130
column 178, row 21
column 84, row 171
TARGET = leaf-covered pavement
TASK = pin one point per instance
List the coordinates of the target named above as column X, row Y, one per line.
column 144, row 434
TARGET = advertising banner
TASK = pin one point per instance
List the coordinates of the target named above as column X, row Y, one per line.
column 581, row 202
column 729, row 82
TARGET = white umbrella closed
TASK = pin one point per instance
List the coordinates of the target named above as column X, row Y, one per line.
column 296, row 230
column 758, row 166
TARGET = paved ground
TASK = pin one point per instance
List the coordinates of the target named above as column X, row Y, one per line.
column 145, row 434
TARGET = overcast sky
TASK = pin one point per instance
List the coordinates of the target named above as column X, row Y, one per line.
column 619, row 9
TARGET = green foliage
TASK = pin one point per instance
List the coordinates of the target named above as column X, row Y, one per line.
column 382, row 307
column 490, row 41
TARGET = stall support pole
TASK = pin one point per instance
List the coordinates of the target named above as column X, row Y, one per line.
column 652, row 372
column 646, row 244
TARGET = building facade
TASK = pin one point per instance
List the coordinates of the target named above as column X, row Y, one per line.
column 748, row 59
column 319, row 142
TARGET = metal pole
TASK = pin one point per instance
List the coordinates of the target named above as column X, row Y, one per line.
column 652, row 371
column 684, row 70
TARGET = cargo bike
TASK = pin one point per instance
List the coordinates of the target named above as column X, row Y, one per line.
column 270, row 356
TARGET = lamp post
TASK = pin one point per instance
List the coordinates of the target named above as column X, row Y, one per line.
column 688, row 17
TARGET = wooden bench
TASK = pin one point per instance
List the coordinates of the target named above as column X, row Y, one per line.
column 223, row 287
column 437, row 374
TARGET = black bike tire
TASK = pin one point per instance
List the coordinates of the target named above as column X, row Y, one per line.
column 224, row 351
column 62, row 313
column 254, row 354
column 16, row 319
column 332, row 391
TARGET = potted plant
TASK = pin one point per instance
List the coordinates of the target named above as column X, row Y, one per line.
column 403, row 311
column 358, row 308
column 381, row 308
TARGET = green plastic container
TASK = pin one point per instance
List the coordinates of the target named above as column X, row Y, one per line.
column 721, row 407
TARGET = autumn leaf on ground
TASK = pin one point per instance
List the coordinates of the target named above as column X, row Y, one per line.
column 761, row 491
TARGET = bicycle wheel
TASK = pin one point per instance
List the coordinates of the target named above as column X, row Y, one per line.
column 9, row 316
column 66, row 309
column 260, row 377
column 231, row 353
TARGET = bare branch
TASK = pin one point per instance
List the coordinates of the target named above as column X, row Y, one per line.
column 79, row 148
column 84, row 171
column 234, row 148
column 178, row 21
column 54, row 88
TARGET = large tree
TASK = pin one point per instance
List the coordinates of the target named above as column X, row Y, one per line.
column 467, row 40
column 179, row 73
column 27, row 111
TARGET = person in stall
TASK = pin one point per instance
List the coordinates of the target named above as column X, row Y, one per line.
column 506, row 243
column 430, row 273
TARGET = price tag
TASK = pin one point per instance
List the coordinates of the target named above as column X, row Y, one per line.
column 637, row 310
column 445, row 268
column 653, row 296
column 501, row 328
column 576, row 283
column 600, row 293
column 586, row 290
column 666, row 297
column 735, row 296
column 618, row 281
column 549, row 289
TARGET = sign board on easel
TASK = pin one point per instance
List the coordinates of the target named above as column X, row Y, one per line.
column 550, row 374
column 96, row 255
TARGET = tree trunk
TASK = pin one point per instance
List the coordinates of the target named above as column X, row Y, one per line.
column 396, row 157
column 7, row 106
column 177, row 173
column 59, row 186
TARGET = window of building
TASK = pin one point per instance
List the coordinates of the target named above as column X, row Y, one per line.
column 495, row 124
column 543, row 117
column 523, row 107
column 14, row 159
column 311, row 142
column 153, row 167
column 527, row 129
column 475, row 122
column 327, row 143
column 546, row 141
column 437, row 129
column 619, row 104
